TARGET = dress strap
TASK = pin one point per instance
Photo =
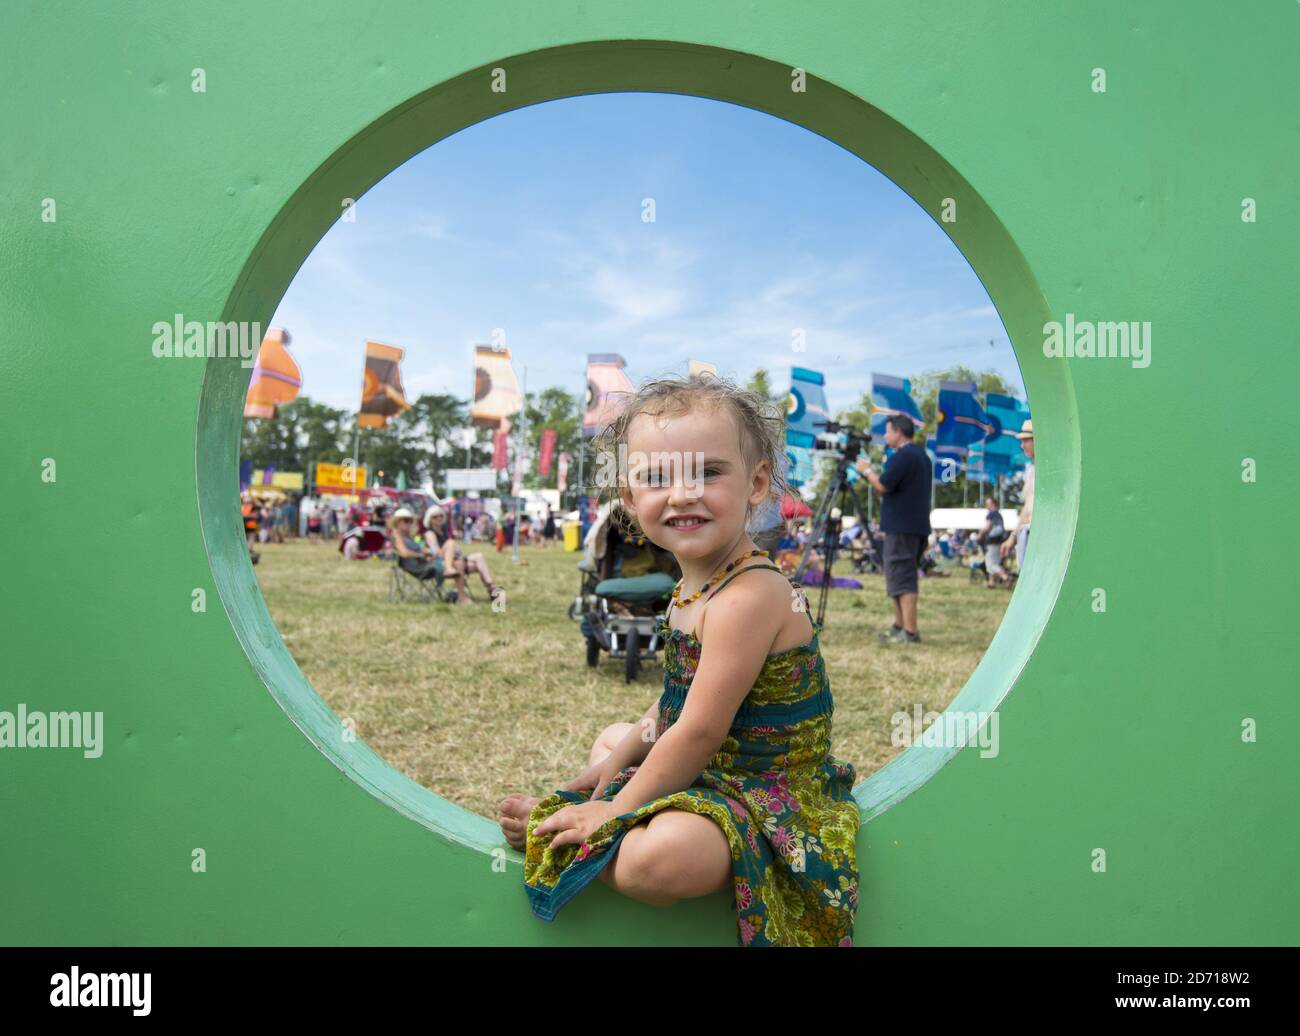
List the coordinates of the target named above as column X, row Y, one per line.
column 774, row 568
column 733, row 575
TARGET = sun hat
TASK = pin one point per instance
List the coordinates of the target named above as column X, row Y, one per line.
column 402, row 514
column 1026, row 431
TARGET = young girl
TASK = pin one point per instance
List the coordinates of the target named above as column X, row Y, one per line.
column 727, row 783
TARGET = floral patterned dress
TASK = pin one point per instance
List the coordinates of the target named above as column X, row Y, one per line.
column 783, row 801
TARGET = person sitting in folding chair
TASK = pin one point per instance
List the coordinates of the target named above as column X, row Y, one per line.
column 413, row 558
column 438, row 536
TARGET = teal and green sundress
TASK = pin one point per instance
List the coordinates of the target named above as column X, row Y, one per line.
column 783, row 801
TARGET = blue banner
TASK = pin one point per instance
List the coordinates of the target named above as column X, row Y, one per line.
column 962, row 421
column 1007, row 414
column 806, row 414
column 948, row 461
column 806, row 410
column 890, row 396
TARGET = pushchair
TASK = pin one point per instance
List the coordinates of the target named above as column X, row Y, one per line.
column 627, row 586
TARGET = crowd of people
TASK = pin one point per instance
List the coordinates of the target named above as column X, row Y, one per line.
column 905, row 547
column 428, row 548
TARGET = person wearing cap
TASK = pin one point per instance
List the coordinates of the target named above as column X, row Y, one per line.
column 1021, row 537
column 439, row 538
column 421, row 563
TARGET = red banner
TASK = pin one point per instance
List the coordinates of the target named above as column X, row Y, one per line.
column 548, row 448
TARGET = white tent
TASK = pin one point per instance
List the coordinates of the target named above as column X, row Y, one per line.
column 971, row 518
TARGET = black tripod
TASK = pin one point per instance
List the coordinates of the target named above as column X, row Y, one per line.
column 830, row 510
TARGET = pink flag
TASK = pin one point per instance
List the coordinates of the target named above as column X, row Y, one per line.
column 548, row 448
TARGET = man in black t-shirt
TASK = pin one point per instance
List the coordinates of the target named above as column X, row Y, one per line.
column 904, row 488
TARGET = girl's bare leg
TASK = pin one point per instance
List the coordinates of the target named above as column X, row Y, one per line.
column 609, row 737
column 676, row 855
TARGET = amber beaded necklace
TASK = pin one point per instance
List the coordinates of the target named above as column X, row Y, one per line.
column 677, row 590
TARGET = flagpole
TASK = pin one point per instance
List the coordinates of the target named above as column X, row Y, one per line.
column 523, row 420
column 356, row 436
column 582, row 447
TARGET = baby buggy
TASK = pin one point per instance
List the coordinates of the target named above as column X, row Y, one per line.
column 627, row 586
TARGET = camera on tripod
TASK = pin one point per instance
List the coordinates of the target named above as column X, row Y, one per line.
column 855, row 442
column 838, row 494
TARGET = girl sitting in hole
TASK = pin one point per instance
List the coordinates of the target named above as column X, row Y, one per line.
column 727, row 782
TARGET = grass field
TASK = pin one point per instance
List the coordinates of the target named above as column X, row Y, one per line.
column 475, row 704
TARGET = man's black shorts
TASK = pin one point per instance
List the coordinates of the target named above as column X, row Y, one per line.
column 903, row 553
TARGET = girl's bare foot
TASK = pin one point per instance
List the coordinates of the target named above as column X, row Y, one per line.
column 515, row 810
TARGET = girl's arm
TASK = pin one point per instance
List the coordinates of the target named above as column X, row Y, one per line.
column 742, row 628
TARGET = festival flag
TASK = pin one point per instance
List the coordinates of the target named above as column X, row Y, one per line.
column 799, row 458
column 984, row 466
column 961, row 419
column 806, row 409
column 608, row 391
column 276, row 377
column 562, row 472
column 1006, row 414
column 946, row 461
column 496, row 392
column 805, row 417
column 891, row 396
column 382, row 395
column 548, row 449
column 401, row 481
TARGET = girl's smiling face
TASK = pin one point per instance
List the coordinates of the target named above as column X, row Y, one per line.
column 688, row 484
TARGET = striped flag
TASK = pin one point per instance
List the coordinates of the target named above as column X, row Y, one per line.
column 382, row 395
column 891, row 396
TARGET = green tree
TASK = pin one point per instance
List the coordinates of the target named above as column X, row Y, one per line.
column 301, row 433
column 761, row 383
column 561, row 410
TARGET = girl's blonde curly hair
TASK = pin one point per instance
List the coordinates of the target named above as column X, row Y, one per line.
column 761, row 425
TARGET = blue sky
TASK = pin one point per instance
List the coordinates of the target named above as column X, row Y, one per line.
column 531, row 222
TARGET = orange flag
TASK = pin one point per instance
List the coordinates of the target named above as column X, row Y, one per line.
column 276, row 377
column 382, row 395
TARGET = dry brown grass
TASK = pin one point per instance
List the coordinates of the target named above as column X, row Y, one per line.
column 475, row 704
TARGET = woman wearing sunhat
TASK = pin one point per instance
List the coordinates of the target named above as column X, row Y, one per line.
column 439, row 532
column 421, row 563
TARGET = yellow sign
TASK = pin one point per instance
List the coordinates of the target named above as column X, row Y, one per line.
column 290, row 480
column 340, row 476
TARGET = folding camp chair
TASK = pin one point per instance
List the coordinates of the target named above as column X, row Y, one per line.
column 403, row 586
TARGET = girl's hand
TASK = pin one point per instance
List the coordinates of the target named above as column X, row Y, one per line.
column 573, row 825
column 594, row 777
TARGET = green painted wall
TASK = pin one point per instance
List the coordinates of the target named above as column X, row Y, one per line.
column 1118, row 731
